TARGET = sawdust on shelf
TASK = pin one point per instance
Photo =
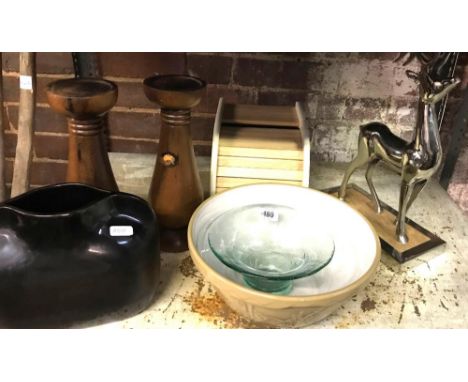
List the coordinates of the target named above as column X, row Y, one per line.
column 212, row 307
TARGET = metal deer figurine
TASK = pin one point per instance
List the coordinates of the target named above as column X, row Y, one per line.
column 417, row 160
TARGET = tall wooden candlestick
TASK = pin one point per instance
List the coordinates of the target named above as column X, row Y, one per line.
column 85, row 102
column 176, row 189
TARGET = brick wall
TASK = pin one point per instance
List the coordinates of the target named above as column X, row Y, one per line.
column 340, row 91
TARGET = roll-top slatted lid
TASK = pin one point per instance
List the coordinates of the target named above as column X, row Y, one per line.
column 259, row 115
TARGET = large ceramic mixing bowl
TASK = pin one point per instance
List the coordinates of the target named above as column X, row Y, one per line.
column 355, row 260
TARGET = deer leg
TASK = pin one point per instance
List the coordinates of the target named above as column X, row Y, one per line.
column 369, row 173
column 361, row 159
column 405, row 195
column 418, row 187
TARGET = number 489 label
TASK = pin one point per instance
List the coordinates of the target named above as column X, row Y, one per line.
column 271, row 215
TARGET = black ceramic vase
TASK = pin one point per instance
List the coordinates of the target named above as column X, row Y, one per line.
column 71, row 254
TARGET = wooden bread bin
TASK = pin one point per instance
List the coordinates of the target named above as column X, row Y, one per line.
column 259, row 144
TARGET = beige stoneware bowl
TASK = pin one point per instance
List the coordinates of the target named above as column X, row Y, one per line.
column 356, row 258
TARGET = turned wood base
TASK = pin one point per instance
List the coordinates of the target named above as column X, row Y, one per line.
column 420, row 240
column 173, row 240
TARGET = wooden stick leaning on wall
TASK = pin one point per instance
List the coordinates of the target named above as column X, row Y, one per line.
column 3, row 195
column 27, row 105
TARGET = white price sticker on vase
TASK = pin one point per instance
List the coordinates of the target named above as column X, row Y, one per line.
column 121, row 230
column 26, row 82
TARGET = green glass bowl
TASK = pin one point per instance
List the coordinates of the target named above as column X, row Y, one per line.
column 270, row 245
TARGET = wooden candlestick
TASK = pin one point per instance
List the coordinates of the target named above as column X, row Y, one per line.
column 85, row 102
column 176, row 189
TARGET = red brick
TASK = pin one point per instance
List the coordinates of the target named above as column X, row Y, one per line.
column 134, row 125
column 46, row 120
column 147, row 125
column 253, row 72
column 41, row 172
column 5, row 120
column 51, row 146
column 48, row 172
column 141, row 65
column 10, row 89
column 46, row 62
column 10, row 144
column 212, row 69
column 286, row 98
column 10, row 61
column 10, row 117
column 45, row 146
column 9, row 173
column 209, row 102
column 296, row 75
column 55, row 63
column 131, row 95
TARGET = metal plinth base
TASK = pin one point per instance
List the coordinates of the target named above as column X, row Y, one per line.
column 420, row 239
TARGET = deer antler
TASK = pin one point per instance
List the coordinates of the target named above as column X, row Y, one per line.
column 408, row 59
column 432, row 76
column 425, row 59
column 438, row 64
